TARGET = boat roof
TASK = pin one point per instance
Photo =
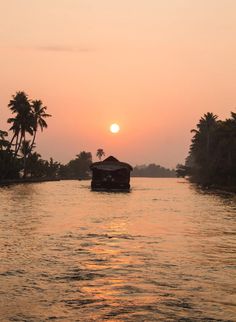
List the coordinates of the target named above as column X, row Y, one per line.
column 110, row 163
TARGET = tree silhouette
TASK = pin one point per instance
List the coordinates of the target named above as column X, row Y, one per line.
column 213, row 151
column 39, row 115
column 100, row 153
column 28, row 117
column 206, row 126
column 77, row 168
column 22, row 123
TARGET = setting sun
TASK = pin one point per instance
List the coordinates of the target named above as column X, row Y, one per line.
column 117, row 155
column 114, row 128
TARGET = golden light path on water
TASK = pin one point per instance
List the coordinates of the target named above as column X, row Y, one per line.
column 164, row 252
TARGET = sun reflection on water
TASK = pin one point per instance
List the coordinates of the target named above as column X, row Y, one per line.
column 163, row 252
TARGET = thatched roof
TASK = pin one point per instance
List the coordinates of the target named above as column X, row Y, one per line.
column 110, row 163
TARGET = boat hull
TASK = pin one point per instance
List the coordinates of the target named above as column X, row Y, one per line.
column 110, row 187
column 109, row 190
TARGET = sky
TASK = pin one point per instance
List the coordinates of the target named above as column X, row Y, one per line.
column 152, row 66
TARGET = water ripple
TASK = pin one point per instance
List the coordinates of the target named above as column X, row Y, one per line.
column 164, row 252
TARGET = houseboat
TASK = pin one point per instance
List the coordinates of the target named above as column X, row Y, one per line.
column 110, row 175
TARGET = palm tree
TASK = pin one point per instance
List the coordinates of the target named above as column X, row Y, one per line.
column 100, row 153
column 213, row 151
column 203, row 144
column 22, row 123
column 202, row 137
column 39, row 113
column 227, row 142
column 207, row 124
column 16, row 132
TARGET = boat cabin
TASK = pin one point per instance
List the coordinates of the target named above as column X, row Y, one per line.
column 110, row 175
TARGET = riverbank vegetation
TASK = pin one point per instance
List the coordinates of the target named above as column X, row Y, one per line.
column 211, row 160
column 212, row 155
column 152, row 171
column 19, row 160
column 78, row 168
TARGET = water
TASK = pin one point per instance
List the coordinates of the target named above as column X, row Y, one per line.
column 164, row 252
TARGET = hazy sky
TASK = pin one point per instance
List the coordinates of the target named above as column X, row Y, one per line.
column 153, row 66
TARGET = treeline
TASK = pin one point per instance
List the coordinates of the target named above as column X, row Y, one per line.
column 212, row 154
column 78, row 168
column 17, row 155
column 18, row 158
column 152, row 171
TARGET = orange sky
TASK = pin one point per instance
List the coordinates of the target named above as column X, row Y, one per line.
column 154, row 67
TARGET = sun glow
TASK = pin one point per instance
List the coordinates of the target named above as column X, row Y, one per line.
column 114, row 128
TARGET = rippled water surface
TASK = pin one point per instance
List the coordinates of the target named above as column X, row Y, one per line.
column 163, row 252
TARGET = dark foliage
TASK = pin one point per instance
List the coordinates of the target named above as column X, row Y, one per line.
column 17, row 158
column 212, row 155
column 153, row 170
column 77, row 168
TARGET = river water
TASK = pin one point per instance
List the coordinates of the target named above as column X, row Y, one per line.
column 163, row 252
